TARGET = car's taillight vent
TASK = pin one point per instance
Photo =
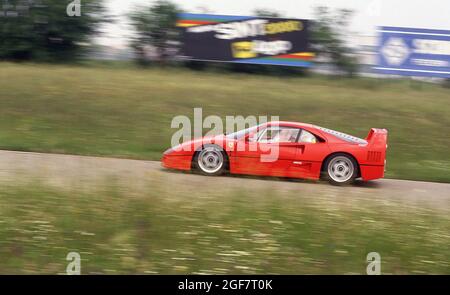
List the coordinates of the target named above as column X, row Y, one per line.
column 373, row 156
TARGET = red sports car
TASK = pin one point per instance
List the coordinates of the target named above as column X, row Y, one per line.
column 285, row 149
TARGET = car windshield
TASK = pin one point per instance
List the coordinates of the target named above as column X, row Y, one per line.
column 238, row 135
column 343, row 136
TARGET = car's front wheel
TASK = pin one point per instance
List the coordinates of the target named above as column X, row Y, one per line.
column 341, row 169
column 211, row 160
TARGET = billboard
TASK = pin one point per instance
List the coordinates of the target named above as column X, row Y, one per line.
column 245, row 39
column 414, row 52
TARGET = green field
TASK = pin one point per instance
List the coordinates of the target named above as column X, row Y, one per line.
column 160, row 230
column 126, row 112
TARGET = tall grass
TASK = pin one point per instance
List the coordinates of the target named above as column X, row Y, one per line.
column 161, row 230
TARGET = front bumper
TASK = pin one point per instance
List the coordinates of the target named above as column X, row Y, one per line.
column 179, row 162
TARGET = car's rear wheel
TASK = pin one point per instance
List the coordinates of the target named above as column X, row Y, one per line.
column 211, row 160
column 341, row 169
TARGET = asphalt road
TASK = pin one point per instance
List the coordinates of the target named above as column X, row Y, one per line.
column 67, row 171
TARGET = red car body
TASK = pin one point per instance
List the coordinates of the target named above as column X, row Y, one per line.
column 296, row 159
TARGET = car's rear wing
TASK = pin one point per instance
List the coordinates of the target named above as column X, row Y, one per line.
column 377, row 138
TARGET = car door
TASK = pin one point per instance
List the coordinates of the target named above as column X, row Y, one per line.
column 311, row 151
column 270, row 152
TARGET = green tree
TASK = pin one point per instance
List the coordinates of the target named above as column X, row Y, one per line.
column 42, row 29
column 156, row 30
column 327, row 38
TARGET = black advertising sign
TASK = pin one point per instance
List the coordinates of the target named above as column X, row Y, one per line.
column 245, row 39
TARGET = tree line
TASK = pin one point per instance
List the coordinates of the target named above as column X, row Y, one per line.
column 42, row 30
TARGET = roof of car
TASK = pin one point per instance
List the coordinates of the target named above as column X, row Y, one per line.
column 291, row 124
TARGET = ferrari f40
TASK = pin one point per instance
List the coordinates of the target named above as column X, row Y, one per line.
column 285, row 149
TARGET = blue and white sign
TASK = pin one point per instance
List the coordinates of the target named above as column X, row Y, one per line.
column 414, row 52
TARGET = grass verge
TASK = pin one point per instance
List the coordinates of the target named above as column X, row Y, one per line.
column 126, row 112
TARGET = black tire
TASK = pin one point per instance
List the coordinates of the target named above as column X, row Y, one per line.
column 341, row 169
column 211, row 160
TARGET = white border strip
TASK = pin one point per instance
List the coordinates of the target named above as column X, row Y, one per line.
column 414, row 33
column 406, row 70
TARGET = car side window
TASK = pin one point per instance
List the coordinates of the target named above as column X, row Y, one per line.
column 307, row 137
column 279, row 134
